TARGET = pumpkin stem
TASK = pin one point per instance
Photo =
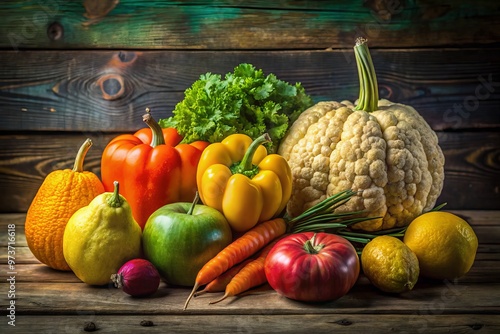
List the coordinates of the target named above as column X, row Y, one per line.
column 245, row 166
column 368, row 87
column 157, row 134
column 311, row 247
column 80, row 156
column 195, row 201
column 115, row 200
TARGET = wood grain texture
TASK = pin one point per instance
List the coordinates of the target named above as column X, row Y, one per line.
column 237, row 25
column 472, row 169
column 453, row 89
column 27, row 159
column 362, row 298
column 262, row 324
column 53, row 301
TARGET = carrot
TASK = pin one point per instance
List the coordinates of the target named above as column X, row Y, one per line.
column 239, row 250
column 251, row 275
column 219, row 284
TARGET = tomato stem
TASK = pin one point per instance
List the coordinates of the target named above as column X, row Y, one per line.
column 311, row 247
column 80, row 156
column 115, row 199
column 156, row 131
column 368, row 87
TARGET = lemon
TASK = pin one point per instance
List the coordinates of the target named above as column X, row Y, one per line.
column 445, row 244
column 389, row 264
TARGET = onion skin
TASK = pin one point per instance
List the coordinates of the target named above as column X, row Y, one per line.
column 137, row 277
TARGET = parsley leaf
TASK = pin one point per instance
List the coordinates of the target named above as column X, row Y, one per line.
column 245, row 101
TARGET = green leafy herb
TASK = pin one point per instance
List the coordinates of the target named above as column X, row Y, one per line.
column 245, row 101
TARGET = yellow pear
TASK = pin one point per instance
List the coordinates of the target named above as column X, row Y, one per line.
column 101, row 237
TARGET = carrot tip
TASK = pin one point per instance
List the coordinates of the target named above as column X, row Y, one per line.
column 195, row 287
column 219, row 300
column 199, row 293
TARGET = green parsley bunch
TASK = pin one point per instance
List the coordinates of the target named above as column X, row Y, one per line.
column 245, row 101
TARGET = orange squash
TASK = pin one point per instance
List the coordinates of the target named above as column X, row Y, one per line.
column 60, row 195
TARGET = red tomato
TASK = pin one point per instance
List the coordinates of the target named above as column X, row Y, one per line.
column 312, row 267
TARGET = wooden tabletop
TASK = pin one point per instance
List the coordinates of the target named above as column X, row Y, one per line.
column 48, row 301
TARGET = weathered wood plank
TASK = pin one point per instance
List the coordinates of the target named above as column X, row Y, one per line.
column 109, row 90
column 471, row 166
column 23, row 255
column 466, row 305
column 479, row 217
column 471, row 169
column 246, row 25
column 37, row 272
column 261, row 323
column 444, row 297
column 16, row 220
column 27, row 159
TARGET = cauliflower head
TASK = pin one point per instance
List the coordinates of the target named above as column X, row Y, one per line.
column 390, row 157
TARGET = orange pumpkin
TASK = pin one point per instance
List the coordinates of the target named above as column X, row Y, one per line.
column 60, row 195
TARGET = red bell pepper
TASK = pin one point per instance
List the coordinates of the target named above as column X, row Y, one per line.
column 152, row 167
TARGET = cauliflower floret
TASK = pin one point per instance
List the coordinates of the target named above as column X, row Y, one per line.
column 361, row 150
column 310, row 142
column 390, row 157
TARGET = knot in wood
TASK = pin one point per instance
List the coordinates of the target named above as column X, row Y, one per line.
column 343, row 322
column 55, row 31
column 386, row 91
column 112, row 86
column 123, row 60
column 126, row 57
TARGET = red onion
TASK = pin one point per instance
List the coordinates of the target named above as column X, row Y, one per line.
column 137, row 277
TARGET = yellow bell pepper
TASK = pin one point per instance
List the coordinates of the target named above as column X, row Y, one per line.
column 238, row 178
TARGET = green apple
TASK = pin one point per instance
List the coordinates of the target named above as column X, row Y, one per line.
column 179, row 238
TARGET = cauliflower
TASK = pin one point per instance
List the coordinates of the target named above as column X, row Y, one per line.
column 389, row 156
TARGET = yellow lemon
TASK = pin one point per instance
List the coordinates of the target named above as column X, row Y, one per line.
column 445, row 244
column 389, row 264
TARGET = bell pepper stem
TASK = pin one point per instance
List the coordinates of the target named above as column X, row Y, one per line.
column 368, row 87
column 157, row 134
column 115, row 201
column 80, row 156
column 311, row 247
column 195, row 201
column 246, row 162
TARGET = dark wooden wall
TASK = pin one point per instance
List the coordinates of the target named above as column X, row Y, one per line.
column 77, row 69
